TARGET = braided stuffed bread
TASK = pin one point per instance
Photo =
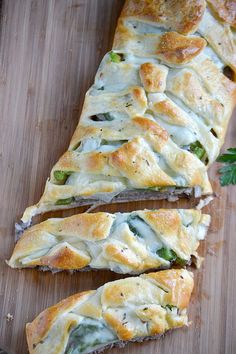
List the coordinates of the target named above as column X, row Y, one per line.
column 131, row 309
column 157, row 113
column 124, row 243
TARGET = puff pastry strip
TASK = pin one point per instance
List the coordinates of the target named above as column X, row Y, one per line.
column 124, row 243
column 131, row 309
column 157, row 114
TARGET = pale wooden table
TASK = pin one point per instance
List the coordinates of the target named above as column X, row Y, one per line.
column 50, row 50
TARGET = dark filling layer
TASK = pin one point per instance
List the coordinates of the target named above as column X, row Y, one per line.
column 89, row 335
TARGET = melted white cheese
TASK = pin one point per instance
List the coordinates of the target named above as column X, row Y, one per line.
column 102, row 335
column 144, row 28
column 211, row 54
column 89, row 144
column 179, row 180
column 150, row 238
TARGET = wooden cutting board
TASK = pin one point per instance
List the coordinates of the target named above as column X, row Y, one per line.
column 49, row 53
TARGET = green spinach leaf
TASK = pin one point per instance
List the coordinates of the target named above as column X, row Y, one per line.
column 88, row 335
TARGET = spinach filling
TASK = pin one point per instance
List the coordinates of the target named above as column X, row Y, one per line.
column 171, row 256
column 141, row 229
column 113, row 142
column 197, row 149
column 116, row 58
column 88, row 335
column 134, row 221
column 171, row 307
column 61, row 176
column 66, row 201
column 103, row 117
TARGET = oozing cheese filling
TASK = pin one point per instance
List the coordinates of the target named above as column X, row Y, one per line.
column 108, row 117
column 93, row 334
column 144, row 28
column 108, row 146
column 89, row 335
column 131, row 245
column 211, row 54
column 142, row 230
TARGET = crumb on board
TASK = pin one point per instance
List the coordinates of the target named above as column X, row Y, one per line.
column 204, row 202
column 211, row 252
column 9, row 317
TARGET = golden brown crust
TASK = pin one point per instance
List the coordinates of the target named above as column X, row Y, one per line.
column 168, row 224
column 177, row 49
column 84, row 227
column 164, row 107
column 116, row 254
column 164, row 222
column 30, row 242
column 87, row 226
column 131, row 308
column 179, row 291
column 122, row 331
column 157, row 315
column 152, row 130
column 182, row 16
column 225, row 10
column 65, row 258
column 117, row 294
column 95, row 162
column 170, row 47
column 189, row 98
column 103, row 240
column 143, row 170
column 38, row 329
column 153, row 77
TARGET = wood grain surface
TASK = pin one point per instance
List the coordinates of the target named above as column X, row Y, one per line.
column 49, row 53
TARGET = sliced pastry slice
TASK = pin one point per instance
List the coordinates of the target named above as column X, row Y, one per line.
column 124, row 243
column 131, row 309
column 157, row 113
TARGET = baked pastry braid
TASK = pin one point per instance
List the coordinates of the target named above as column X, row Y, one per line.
column 131, row 309
column 124, row 243
column 157, row 113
